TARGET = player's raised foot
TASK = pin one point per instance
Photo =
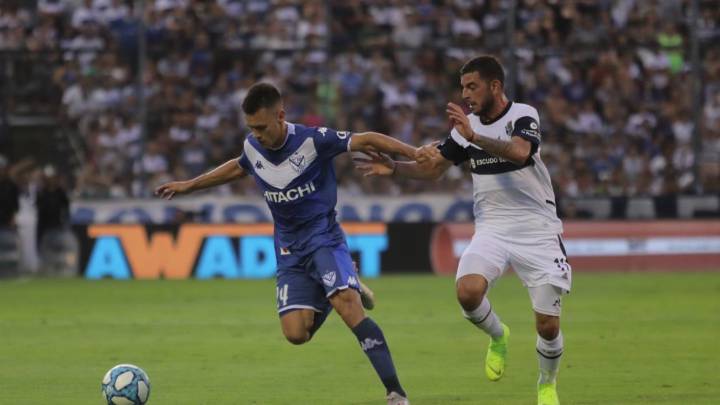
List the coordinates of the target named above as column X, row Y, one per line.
column 396, row 399
column 495, row 359
column 547, row 394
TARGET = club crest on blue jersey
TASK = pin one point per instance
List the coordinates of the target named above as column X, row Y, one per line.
column 298, row 182
column 297, row 161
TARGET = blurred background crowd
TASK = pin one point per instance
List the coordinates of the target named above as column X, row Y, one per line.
column 613, row 81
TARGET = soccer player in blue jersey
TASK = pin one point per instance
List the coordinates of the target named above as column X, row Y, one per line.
column 293, row 166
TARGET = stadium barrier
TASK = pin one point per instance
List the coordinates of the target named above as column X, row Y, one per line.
column 204, row 251
column 609, row 245
column 416, row 208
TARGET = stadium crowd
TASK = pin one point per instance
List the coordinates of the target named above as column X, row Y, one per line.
column 611, row 78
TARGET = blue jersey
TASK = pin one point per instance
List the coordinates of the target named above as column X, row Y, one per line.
column 299, row 185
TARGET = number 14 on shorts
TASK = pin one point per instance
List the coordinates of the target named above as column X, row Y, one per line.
column 282, row 295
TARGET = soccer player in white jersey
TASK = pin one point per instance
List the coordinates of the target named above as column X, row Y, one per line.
column 293, row 165
column 515, row 218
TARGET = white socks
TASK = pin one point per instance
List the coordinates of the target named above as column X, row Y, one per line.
column 485, row 318
column 549, row 352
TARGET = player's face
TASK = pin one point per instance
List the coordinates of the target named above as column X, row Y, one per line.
column 267, row 126
column 478, row 93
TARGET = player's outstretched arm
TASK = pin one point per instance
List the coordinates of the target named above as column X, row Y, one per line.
column 432, row 168
column 377, row 142
column 517, row 150
column 222, row 174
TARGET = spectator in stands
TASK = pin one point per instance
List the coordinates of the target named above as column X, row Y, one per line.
column 52, row 204
column 51, row 8
column 9, row 206
column 9, row 195
column 607, row 77
column 77, row 100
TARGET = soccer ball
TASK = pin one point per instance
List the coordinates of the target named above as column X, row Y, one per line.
column 126, row 384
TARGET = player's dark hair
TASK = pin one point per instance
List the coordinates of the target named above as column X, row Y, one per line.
column 260, row 95
column 487, row 67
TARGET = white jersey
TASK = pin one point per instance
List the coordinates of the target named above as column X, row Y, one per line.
column 507, row 197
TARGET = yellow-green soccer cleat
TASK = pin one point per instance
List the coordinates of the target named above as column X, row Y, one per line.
column 547, row 394
column 495, row 359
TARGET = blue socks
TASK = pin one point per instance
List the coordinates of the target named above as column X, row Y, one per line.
column 375, row 347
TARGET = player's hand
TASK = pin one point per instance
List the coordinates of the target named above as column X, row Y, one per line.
column 460, row 121
column 426, row 153
column 377, row 165
column 169, row 190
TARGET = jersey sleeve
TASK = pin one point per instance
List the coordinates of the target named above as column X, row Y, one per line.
column 243, row 162
column 528, row 128
column 330, row 143
column 454, row 149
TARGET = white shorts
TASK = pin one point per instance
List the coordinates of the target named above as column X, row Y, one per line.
column 546, row 299
column 537, row 260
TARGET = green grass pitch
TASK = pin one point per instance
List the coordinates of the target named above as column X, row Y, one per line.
column 630, row 339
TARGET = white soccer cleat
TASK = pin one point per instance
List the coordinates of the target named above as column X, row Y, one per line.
column 396, row 399
column 367, row 297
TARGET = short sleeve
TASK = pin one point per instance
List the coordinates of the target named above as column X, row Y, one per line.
column 330, row 143
column 243, row 162
column 452, row 148
column 528, row 128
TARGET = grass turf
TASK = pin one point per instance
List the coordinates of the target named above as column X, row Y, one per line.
column 630, row 339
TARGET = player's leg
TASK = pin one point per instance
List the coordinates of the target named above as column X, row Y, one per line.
column 481, row 264
column 546, row 301
column 296, row 325
column 347, row 304
column 302, row 305
column 541, row 263
column 472, row 296
column 334, row 267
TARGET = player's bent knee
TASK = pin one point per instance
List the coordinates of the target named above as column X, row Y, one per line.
column 549, row 333
column 296, row 326
column 468, row 300
column 470, row 291
column 296, row 334
column 298, row 338
column 548, row 327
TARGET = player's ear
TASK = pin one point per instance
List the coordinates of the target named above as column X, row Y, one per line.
column 281, row 113
column 496, row 86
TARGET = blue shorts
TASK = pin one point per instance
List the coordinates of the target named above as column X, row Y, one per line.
column 321, row 274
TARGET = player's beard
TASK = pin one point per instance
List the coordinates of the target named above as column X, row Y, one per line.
column 486, row 108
